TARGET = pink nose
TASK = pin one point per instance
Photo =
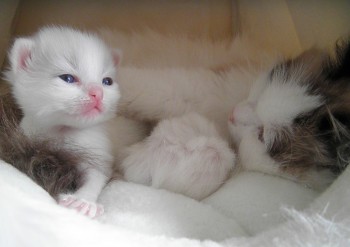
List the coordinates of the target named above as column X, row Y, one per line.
column 96, row 93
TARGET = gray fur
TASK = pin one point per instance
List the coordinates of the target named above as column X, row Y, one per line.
column 49, row 165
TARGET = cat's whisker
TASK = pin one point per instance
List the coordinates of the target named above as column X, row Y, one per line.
column 319, row 134
column 338, row 128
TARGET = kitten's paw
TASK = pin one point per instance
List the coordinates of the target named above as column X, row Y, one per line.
column 195, row 169
column 84, row 207
column 184, row 155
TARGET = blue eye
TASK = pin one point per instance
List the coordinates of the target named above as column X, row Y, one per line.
column 68, row 78
column 107, row 81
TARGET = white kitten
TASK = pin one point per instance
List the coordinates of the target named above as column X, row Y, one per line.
column 184, row 155
column 65, row 82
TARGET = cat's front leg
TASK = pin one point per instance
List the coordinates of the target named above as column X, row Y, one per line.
column 84, row 199
column 246, row 131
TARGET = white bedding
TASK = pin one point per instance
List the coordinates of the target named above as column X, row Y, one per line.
column 250, row 210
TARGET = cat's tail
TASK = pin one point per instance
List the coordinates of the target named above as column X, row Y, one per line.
column 49, row 165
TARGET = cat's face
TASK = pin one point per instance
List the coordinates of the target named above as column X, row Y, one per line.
column 296, row 120
column 64, row 77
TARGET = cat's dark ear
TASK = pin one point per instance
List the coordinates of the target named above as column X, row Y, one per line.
column 307, row 63
column 339, row 66
column 311, row 61
column 117, row 56
column 20, row 53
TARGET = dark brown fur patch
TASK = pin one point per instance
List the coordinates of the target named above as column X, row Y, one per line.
column 299, row 150
column 48, row 164
column 319, row 139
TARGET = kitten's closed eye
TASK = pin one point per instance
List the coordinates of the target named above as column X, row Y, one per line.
column 68, row 78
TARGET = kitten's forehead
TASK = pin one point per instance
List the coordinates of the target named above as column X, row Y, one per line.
column 281, row 103
column 79, row 51
column 292, row 88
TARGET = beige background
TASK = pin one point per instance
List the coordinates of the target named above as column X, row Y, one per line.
column 287, row 25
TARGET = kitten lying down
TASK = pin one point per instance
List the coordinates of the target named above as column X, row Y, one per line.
column 65, row 83
column 294, row 123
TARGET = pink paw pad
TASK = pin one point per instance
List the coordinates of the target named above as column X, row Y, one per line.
column 82, row 206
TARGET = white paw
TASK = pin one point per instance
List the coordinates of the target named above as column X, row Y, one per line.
column 242, row 119
column 82, row 206
column 184, row 155
column 195, row 169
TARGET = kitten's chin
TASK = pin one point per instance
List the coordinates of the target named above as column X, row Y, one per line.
column 88, row 119
column 91, row 113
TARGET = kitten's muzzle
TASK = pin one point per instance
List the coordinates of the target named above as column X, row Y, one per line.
column 95, row 93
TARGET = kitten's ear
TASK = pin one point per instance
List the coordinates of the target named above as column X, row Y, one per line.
column 311, row 60
column 20, row 53
column 339, row 66
column 117, row 56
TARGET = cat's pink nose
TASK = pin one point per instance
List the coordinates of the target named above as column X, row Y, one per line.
column 96, row 93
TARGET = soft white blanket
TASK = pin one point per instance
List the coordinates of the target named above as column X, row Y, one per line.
column 252, row 209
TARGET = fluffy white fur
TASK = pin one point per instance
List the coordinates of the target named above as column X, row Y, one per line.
column 184, row 155
column 157, row 94
column 72, row 112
